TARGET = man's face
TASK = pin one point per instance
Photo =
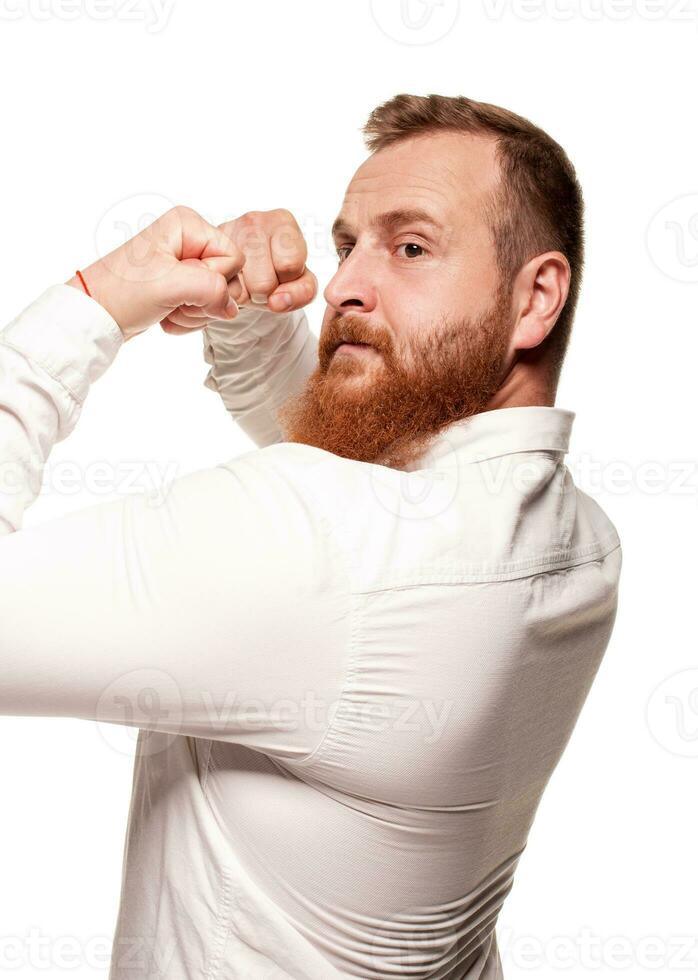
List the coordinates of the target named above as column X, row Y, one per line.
column 418, row 298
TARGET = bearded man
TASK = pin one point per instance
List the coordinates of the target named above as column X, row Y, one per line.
column 369, row 638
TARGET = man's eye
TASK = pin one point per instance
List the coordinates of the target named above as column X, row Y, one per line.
column 412, row 245
column 342, row 248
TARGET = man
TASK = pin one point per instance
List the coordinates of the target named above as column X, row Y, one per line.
column 356, row 653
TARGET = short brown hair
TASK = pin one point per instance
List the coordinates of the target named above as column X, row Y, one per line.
column 538, row 206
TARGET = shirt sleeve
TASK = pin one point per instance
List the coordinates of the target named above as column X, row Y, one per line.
column 49, row 356
column 218, row 610
column 257, row 361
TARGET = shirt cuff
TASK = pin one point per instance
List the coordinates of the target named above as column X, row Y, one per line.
column 69, row 334
column 250, row 325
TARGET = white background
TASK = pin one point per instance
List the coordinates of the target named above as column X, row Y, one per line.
column 112, row 111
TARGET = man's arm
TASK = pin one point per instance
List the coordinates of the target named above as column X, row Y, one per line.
column 49, row 356
column 64, row 341
column 256, row 363
column 157, row 615
column 266, row 354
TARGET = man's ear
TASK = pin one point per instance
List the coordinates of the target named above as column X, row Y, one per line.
column 540, row 291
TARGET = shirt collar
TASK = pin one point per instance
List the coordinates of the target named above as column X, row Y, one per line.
column 523, row 428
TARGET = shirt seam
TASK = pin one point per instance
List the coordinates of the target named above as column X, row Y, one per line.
column 351, row 645
column 459, row 580
column 349, row 677
column 208, row 765
column 222, row 918
column 526, row 568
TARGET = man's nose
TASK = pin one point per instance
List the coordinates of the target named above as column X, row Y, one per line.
column 353, row 285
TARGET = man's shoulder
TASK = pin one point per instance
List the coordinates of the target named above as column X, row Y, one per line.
column 455, row 521
column 294, row 464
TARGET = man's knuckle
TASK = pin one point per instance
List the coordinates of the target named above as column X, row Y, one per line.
column 183, row 211
column 289, row 264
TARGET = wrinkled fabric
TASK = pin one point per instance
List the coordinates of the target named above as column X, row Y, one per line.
column 351, row 683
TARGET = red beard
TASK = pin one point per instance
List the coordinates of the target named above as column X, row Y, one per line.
column 379, row 407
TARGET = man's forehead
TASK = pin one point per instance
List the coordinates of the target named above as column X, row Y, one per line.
column 437, row 176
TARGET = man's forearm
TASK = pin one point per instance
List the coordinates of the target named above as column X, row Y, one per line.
column 257, row 362
column 49, row 356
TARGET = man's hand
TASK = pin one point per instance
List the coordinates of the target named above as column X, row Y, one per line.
column 275, row 276
column 178, row 260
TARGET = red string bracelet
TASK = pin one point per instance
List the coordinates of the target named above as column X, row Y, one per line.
column 84, row 284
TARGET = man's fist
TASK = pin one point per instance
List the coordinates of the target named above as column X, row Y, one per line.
column 178, row 260
column 274, row 275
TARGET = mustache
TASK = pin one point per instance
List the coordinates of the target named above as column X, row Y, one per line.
column 353, row 330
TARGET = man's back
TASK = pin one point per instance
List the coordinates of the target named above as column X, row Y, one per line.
column 461, row 613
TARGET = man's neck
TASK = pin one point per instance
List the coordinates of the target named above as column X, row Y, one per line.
column 523, row 385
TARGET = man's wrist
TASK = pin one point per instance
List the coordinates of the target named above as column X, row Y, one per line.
column 97, row 281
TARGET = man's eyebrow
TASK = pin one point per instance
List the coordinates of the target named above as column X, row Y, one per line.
column 389, row 220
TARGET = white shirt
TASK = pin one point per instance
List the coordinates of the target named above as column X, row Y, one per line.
column 352, row 682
